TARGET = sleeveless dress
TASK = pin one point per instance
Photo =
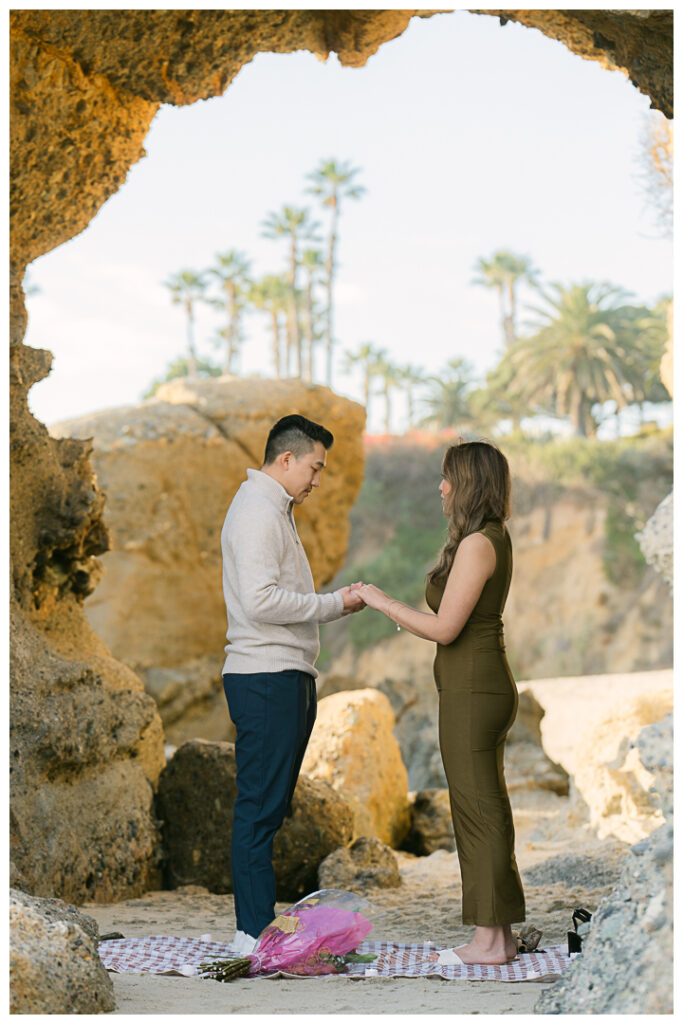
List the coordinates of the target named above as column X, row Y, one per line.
column 477, row 705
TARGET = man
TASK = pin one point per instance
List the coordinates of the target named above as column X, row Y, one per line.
column 269, row 674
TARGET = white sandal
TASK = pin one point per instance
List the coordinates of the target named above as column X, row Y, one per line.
column 449, row 956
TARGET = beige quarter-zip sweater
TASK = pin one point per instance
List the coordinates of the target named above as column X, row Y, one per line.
column 273, row 609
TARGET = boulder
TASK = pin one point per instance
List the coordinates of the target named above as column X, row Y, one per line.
column 627, row 961
column 170, row 468
column 86, row 749
column 191, row 701
column 353, row 748
column 54, row 966
column 366, row 863
column 197, row 791
column 611, row 789
column 527, row 766
column 431, row 825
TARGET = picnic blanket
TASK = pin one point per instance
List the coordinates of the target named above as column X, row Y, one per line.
column 172, row 954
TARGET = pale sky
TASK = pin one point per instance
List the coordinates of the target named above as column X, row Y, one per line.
column 470, row 137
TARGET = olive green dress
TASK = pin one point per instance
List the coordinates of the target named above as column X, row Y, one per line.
column 477, row 706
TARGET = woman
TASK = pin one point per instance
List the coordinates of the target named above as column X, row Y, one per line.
column 466, row 591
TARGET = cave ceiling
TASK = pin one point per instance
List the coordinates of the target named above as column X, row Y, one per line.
column 86, row 84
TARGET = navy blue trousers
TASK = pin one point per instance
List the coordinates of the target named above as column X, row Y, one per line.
column 274, row 713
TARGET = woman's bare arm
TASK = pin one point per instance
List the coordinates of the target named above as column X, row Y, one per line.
column 473, row 565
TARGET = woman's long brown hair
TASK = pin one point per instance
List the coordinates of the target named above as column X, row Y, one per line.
column 479, row 476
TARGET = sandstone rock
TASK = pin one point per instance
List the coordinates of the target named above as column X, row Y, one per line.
column 197, row 791
column 656, row 539
column 627, row 961
column 366, row 863
column 170, row 467
column 191, row 701
column 431, row 825
column 527, row 766
column 85, row 754
column 585, row 624
column 400, row 668
column 611, row 788
column 352, row 748
column 52, row 910
column 67, row 84
column 655, row 746
column 54, row 966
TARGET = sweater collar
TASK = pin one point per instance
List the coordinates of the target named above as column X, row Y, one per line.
column 270, row 488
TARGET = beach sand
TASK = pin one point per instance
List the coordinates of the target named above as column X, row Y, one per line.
column 425, row 907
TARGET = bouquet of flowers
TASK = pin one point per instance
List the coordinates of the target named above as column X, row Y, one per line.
column 315, row 936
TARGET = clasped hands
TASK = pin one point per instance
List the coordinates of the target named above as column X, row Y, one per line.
column 361, row 595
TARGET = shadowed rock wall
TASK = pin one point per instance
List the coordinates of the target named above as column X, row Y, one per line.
column 85, row 86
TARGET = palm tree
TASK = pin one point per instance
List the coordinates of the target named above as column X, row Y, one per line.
column 390, row 376
column 187, row 287
column 232, row 275
column 311, row 263
column 410, row 378
column 448, row 400
column 590, row 347
column 502, row 272
column 368, row 358
column 271, row 295
column 294, row 223
column 331, row 181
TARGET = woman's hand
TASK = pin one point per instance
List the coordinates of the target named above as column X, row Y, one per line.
column 374, row 597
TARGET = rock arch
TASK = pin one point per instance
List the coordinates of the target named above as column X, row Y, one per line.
column 85, row 86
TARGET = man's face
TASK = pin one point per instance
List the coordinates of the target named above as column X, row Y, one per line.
column 303, row 474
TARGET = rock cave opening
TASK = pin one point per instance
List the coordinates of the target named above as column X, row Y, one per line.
column 87, row 86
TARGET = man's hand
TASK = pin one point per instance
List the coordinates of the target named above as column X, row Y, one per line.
column 352, row 600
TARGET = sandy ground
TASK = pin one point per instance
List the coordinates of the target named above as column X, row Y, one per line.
column 425, row 907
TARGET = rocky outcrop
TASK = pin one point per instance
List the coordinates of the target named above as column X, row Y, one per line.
column 191, row 700
column 170, row 467
column 431, row 825
column 656, row 539
column 627, row 961
column 86, row 748
column 527, row 766
column 54, row 966
column 86, row 743
column 365, row 864
column 86, row 84
column 197, row 791
column 610, row 785
column 353, row 749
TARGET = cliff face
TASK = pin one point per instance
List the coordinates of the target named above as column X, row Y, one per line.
column 85, row 86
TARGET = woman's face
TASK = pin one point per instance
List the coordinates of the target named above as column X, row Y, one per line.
column 445, row 489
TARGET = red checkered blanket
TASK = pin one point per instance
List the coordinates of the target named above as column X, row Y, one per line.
column 171, row 954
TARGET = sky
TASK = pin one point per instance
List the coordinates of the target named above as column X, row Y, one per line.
column 469, row 137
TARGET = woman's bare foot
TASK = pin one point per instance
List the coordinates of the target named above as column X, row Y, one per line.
column 489, row 946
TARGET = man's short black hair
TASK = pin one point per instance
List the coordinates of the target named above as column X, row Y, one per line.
column 297, row 435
